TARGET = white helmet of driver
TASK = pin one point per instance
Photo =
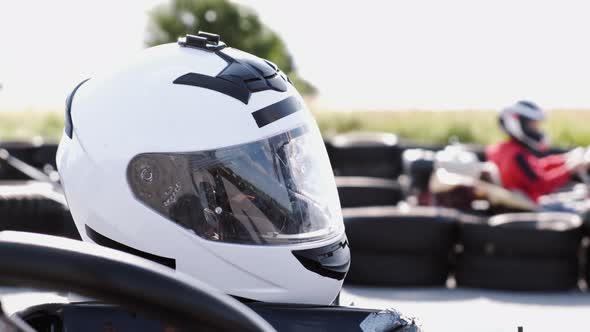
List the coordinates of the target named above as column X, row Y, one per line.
column 520, row 121
column 205, row 159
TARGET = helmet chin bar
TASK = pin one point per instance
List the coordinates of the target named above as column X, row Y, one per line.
column 330, row 261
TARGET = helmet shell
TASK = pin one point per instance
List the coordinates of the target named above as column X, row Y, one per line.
column 141, row 108
column 516, row 121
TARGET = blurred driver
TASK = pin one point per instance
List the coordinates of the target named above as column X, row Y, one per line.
column 520, row 167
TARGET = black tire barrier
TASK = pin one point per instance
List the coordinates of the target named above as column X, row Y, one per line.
column 45, row 155
column 33, row 154
column 517, row 273
column 377, row 269
column 400, row 246
column 401, row 230
column 366, row 191
column 522, row 235
column 20, row 150
column 365, row 154
column 33, row 212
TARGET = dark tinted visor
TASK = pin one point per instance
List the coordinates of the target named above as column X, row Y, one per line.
column 278, row 190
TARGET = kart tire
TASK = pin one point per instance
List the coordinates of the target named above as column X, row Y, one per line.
column 542, row 235
column 33, row 212
column 393, row 270
column 401, row 230
column 365, row 154
column 516, row 274
column 365, row 191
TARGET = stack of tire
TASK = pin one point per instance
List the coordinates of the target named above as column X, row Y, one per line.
column 34, row 154
column 367, row 191
column 27, row 206
column 365, row 154
column 400, row 246
column 522, row 251
column 366, row 166
column 32, row 206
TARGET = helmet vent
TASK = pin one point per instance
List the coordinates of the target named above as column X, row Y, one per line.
column 243, row 75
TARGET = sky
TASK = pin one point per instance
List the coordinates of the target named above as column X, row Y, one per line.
column 370, row 54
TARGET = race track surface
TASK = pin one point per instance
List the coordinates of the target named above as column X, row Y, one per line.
column 438, row 309
column 469, row 310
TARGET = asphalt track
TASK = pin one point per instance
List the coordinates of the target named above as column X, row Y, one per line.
column 438, row 309
column 470, row 310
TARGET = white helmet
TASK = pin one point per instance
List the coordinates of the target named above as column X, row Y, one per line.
column 516, row 122
column 205, row 159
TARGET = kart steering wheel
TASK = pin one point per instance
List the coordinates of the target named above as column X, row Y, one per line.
column 54, row 263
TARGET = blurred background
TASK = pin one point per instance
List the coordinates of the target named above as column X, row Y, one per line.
column 425, row 70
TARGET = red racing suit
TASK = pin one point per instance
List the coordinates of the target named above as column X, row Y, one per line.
column 521, row 170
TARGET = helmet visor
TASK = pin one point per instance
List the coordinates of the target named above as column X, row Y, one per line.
column 278, row 190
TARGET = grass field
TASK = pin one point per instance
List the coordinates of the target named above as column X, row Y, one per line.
column 25, row 125
column 566, row 127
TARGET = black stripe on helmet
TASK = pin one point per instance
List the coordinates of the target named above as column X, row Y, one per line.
column 110, row 243
column 228, row 88
column 529, row 104
column 276, row 111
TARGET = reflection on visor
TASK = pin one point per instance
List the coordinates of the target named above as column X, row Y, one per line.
column 275, row 191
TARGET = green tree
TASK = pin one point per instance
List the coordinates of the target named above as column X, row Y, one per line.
column 238, row 26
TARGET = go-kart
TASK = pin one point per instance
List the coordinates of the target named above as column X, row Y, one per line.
column 437, row 216
column 459, row 179
column 133, row 294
